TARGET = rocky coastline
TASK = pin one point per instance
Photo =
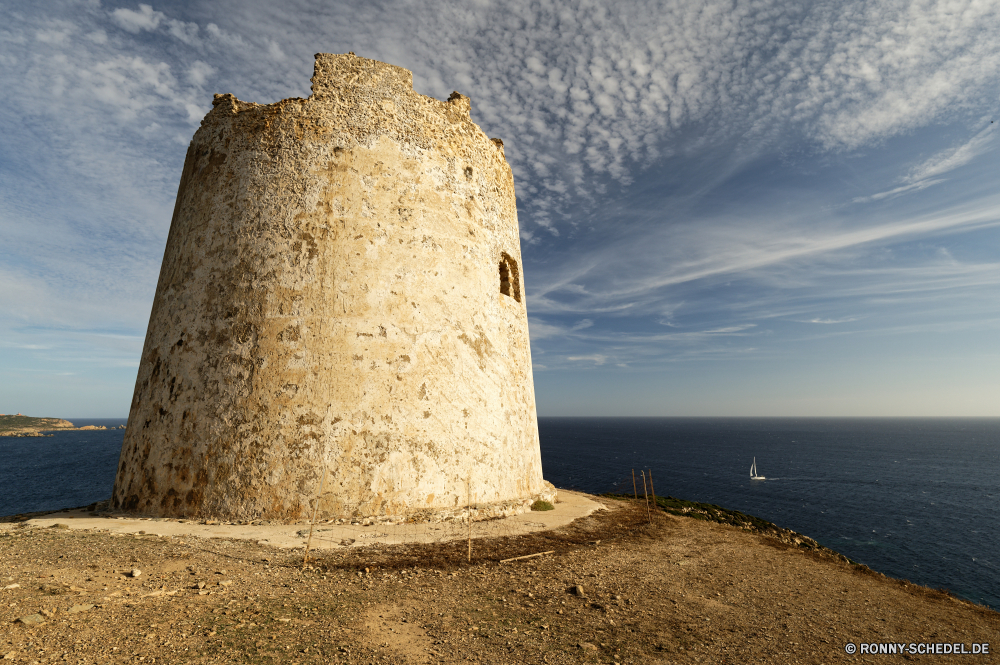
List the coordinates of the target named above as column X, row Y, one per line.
column 29, row 426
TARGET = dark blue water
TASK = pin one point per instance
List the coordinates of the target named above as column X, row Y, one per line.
column 66, row 470
column 913, row 498
column 917, row 499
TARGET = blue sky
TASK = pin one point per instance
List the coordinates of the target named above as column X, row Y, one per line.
column 726, row 208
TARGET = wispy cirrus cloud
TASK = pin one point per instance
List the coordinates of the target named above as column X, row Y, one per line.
column 926, row 174
column 670, row 256
column 827, row 322
column 953, row 158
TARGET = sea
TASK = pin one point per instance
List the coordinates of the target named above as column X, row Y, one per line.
column 913, row 498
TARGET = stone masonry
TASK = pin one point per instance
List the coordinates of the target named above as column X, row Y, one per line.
column 341, row 300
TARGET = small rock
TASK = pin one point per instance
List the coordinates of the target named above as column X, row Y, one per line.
column 59, row 526
column 49, row 613
column 10, row 655
column 199, row 585
column 12, row 586
column 587, row 646
column 53, row 589
column 135, row 572
column 225, row 582
column 76, row 609
column 577, row 590
column 31, row 619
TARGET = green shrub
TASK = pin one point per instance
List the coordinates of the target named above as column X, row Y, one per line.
column 542, row 505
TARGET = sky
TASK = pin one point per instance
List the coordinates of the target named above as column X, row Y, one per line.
column 726, row 208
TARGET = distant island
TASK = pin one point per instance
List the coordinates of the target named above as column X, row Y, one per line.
column 21, row 425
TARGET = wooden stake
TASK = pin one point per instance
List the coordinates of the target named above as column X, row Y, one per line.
column 635, row 492
column 468, row 497
column 313, row 523
column 526, row 556
column 645, row 494
column 651, row 490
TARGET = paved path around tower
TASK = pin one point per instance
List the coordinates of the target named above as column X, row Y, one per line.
column 569, row 506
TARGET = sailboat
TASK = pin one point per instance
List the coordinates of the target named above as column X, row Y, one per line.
column 753, row 471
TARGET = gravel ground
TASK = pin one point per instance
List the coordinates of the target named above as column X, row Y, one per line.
column 615, row 589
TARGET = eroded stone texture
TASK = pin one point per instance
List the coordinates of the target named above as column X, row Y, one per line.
column 342, row 289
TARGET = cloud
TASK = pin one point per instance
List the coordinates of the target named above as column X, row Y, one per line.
column 54, row 37
column 595, row 358
column 952, row 158
column 729, row 330
column 925, row 174
column 567, row 348
column 539, row 330
column 590, row 93
column 831, row 321
column 632, row 274
column 902, row 189
column 137, row 21
column 604, row 90
column 199, row 72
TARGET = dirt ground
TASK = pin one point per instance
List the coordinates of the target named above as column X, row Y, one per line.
column 615, row 589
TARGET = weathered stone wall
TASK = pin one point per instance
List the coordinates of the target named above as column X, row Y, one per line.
column 330, row 298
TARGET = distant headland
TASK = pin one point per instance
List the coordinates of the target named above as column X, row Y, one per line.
column 21, row 425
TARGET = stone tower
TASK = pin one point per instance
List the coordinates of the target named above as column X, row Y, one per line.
column 341, row 297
